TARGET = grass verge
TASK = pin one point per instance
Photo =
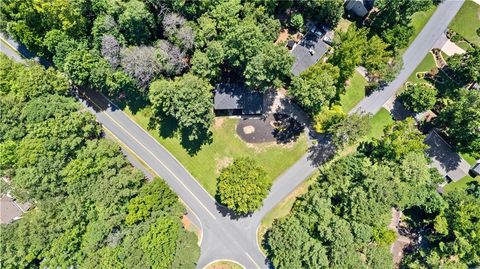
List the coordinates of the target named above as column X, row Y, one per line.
column 378, row 123
column 206, row 164
column 224, row 265
column 467, row 21
column 354, row 93
column 461, row 184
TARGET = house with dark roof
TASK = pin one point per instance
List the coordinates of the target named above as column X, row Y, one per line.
column 236, row 99
column 311, row 48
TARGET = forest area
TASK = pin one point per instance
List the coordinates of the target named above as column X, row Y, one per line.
column 92, row 209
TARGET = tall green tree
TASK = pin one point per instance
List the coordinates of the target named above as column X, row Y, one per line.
column 242, row 186
column 270, row 68
column 461, row 121
column 187, row 99
column 315, row 87
column 419, row 97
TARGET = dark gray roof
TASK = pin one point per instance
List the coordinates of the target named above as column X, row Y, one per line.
column 301, row 52
column 236, row 96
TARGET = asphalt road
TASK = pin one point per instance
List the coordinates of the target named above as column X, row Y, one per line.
column 224, row 236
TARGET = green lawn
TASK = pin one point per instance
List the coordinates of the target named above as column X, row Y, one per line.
column 470, row 160
column 419, row 20
column 461, row 184
column 467, row 21
column 426, row 65
column 226, row 145
column 354, row 92
column 379, row 121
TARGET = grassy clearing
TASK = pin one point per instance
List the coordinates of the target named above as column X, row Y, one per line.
column 461, row 184
column 470, row 160
column 467, row 21
column 226, row 146
column 378, row 123
column 426, row 65
column 343, row 25
column 354, row 93
column 224, row 265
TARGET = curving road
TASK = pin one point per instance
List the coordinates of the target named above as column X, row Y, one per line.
column 225, row 236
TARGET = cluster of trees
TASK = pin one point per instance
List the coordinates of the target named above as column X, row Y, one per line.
column 461, row 120
column 392, row 22
column 235, row 39
column 242, row 186
column 341, row 222
column 92, row 208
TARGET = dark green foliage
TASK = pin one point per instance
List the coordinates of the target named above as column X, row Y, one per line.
column 187, row 99
column 341, row 222
column 92, row 208
column 419, row 97
column 315, row 87
column 398, row 140
column 350, row 129
column 242, row 186
column 466, row 65
column 392, row 21
column 453, row 241
column 270, row 68
column 461, row 121
column 329, row 12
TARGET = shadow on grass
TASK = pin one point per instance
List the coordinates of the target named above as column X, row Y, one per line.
column 168, row 127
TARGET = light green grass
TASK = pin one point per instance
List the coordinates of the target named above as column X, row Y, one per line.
column 461, row 184
column 467, row 21
column 425, row 66
column 378, row 123
column 463, row 44
column 470, row 160
column 354, row 93
column 419, row 19
column 226, row 146
column 224, row 265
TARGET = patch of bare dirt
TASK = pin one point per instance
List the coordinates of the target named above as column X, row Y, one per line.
column 222, row 163
column 218, row 122
column 186, row 222
column 282, row 36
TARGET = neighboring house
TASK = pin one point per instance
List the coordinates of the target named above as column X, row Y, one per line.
column 10, row 210
column 311, row 48
column 359, row 7
column 235, row 99
column 475, row 86
column 475, row 170
column 448, row 163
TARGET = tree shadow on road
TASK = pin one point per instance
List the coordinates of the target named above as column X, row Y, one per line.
column 227, row 212
column 322, row 151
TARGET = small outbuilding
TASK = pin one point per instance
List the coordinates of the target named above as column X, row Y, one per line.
column 236, row 99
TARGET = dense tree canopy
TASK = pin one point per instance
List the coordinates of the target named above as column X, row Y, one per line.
column 92, row 208
column 187, row 99
column 341, row 222
column 315, row 87
column 466, row 65
column 242, row 186
column 461, row 122
column 419, row 97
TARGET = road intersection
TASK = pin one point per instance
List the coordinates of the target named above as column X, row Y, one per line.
column 224, row 236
